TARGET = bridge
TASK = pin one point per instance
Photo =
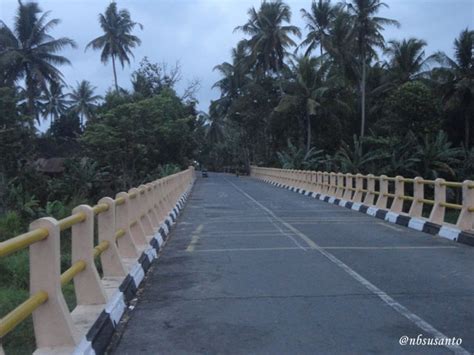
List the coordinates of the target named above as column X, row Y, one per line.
column 283, row 262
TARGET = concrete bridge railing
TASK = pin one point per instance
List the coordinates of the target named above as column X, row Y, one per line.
column 405, row 197
column 129, row 230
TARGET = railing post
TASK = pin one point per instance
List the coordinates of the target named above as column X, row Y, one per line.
column 143, row 211
column 466, row 217
column 340, row 185
column 397, row 203
column 126, row 244
column 52, row 321
column 370, row 196
column 383, row 191
column 416, row 208
column 325, row 182
column 87, row 285
column 437, row 213
column 348, row 190
column 136, row 228
column 149, row 197
column 314, row 178
column 332, row 184
column 110, row 259
column 160, row 209
column 359, row 185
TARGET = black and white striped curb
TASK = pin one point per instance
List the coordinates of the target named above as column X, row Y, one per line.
column 99, row 335
column 418, row 224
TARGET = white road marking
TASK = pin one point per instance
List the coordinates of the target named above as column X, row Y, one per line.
column 286, row 234
column 194, row 238
column 325, row 248
column 245, row 249
column 391, row 227
column 391, row 247
column 398, row 307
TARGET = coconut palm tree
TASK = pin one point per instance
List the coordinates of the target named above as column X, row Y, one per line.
column 83, row 100
column 28, row 51
column 457, row 78
column 234, row 77
column 54, row 102
column 367, row 30
column 406, row 59
column 270, row 35
column 310, row 89
column 117, row 41
column 353, row 158
column 437, row 156
column 318, row 22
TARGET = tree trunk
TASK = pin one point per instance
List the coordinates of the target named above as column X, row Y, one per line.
column 362, row 101
column 30, row 96
column 466, row 129
column 308, row 132
column 115, row 73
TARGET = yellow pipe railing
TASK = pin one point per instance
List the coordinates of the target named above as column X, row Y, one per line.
column 25, row 309
column 69, row 274
column 120, row 201
column 100, row 248
column 101, row 207
column 119, row 233
column 20, row 313
column 22, row 241
column 68, row 222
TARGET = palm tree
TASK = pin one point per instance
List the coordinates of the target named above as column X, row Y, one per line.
column 311, row 89
column 406, row 59
column 367, row 30
column 353, row 159
column 436, row 155
column 457, row 78
column 318, row 22
column 84, row 102
column 29, row 52
column 54, row 102
column 117, row 41
column 234, row 78
column 340, row 44
column 297, row 158
column 269, row 36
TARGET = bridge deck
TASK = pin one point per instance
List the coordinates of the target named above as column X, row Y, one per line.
column 251, row 268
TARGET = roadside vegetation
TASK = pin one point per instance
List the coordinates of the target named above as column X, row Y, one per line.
column 338, row 96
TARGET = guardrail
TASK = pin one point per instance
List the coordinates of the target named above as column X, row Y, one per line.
column 125, row 227
column 383, row 192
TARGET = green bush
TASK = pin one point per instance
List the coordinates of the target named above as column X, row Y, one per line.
column 11, row 225
column 20, row 340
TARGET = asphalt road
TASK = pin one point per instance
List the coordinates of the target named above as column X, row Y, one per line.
column 254, row 269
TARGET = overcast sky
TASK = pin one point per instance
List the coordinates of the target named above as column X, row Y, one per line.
column 199, row 33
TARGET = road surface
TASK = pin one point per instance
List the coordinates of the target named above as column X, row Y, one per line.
column 254, row 269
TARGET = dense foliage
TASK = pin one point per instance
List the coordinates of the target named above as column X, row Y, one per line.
column 369, row 105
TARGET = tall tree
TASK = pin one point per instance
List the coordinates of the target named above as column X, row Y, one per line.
column 270, row 35
column 307, row 90
column 406, row 59
column 117, row 41
column 457, row 78
column 367, row 28
column 54, row 101
column 318, row 21
column 83, row 100
column 29, row 52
